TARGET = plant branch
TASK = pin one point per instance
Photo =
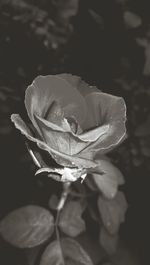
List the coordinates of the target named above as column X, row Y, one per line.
column 66, row 189
column 64, row 195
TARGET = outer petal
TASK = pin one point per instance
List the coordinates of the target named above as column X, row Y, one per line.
column 85, row 90
column 47, row 89
column 94, row 134
column 55, row 115
column 79, row 84
column 59, row 157
column 106, row 109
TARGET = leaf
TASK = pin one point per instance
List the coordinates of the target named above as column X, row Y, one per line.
column 97, row 18
column 107, row 263
column 108, row 242
column 112, row 212
column 143, row 42
column 92, row 247
column 32, row 254
column 109, row 180
column 146, row 70
column 145, row 146
column 27, row 226
column 53, row 202
column 89, row 181
column 71, row 222
column 124, row 256
column 66, row 252
column 132, row 20
column 122, row 2
column 67, row 8
column 93, row 213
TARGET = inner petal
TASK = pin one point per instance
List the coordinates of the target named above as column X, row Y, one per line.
column 75, row 127
column 58, row 139
column 55, row 114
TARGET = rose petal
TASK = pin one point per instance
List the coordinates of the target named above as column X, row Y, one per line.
column 60, row 140
column 47, row 89
column 82, row 87
column 106, row 109
column 79, row 84
column 20, row 125
column 51, row 125
column 56, row 115
column 94, row 134
column 59, row 157
column 89, row 136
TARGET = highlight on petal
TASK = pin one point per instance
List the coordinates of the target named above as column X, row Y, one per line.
column 55, row 137
column 106, row 109
column 45, row 90
column 59, row 157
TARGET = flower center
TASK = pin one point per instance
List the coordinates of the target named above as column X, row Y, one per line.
column 75, row 127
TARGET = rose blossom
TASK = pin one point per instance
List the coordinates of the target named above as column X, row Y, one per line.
column 72, row 121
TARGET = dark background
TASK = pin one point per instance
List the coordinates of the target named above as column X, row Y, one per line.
column 107, row 43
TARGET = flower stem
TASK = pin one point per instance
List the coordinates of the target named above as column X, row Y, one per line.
column 64, row 195
column 66, row 189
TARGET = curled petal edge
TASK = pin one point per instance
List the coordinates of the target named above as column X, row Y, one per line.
column 90, row 136
column 73, row 160
column 111, row 138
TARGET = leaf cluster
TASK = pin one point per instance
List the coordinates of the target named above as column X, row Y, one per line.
column 61, row 233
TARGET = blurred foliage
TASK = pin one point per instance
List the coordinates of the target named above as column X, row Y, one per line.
column 51, row 27
column 105, row 42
